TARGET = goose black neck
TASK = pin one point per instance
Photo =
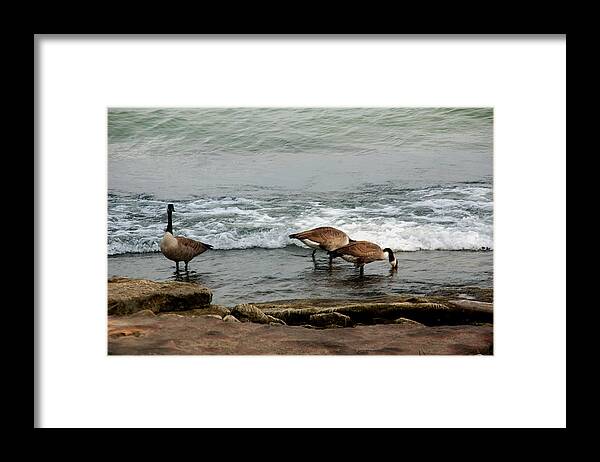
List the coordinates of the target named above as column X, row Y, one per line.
column 170, row 222
column 391, row 256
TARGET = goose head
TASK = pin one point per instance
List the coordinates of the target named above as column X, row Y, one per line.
column 391, row 257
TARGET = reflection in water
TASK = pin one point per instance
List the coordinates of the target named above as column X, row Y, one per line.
column 182, row 276
column 322, row 267
column 188, row 276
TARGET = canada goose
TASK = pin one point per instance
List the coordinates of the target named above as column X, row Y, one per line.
column 362, row 252
column 323, row 238
column 180, row 248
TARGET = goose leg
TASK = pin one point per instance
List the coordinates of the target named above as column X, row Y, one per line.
column 186, row 266
column 313, row 254
column 362, row 270
column 177, row 266
column 330, row 260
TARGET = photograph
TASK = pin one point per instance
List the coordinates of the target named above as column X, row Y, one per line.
column 300, row 230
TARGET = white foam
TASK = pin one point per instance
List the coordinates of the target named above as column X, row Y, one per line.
column 414, row 220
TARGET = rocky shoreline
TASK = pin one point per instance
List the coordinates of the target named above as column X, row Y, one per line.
column 149, row 317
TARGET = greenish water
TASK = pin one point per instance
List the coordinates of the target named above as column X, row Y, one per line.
column 184, row 153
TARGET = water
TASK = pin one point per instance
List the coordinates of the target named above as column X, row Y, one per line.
column 259, row 275
column 418, row 180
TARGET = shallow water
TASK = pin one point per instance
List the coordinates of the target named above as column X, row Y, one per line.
column 257, row 275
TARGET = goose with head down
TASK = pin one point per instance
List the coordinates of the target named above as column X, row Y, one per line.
column 362, row 252
column 179, row 248
column 323, row 238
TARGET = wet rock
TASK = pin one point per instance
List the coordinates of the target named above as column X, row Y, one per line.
column 250, row 313
column 330, row 319
column 472, row 304
column 426, row 310
column 218, row 310
column 214, row 316
column 407, row 321
column 127, row 296
column 230, row 318
column 274, row 320
column 143, row 313
column 483, row 294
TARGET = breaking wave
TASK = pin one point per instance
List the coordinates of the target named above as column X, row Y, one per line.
column 456, row 217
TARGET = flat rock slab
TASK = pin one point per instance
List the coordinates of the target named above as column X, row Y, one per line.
column 330, row 319
column 428, row 310
column 127, row 296
column 202, row 335
column 482, row 294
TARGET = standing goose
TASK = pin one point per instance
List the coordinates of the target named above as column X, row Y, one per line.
column 323, row 238
column 180, row 248
column 362, row 252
